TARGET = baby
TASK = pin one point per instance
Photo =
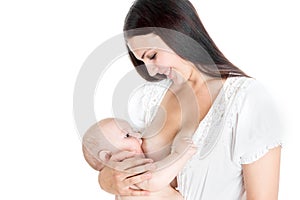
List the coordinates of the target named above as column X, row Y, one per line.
column 112, row 135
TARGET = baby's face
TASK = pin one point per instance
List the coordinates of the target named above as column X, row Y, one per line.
column 120, row 134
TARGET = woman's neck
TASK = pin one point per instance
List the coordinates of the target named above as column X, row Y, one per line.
column 205, row 88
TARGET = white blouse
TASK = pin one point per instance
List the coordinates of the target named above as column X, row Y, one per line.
column 240, row 127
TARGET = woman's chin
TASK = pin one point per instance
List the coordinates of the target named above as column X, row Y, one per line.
column 177, row 78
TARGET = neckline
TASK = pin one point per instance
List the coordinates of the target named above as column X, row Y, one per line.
column 208, row 131
column 215, row 102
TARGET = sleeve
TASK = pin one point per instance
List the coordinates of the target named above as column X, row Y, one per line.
column 258, row 126
column 144, row 102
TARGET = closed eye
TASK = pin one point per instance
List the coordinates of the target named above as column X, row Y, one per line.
column 152, row 57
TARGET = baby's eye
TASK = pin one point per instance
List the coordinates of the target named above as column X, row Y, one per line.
column 127, row 135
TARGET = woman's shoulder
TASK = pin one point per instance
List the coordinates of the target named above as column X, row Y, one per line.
column 245, row 88
column 240, row 83
column 253, row 90
column 259, row 124
column 253, row 121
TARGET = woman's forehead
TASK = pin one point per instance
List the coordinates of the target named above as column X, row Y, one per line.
column 145, row 42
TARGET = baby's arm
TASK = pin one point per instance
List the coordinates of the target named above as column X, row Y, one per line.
column 168, row 168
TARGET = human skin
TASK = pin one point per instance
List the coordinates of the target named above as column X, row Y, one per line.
column 111, row 135
column 159, row 58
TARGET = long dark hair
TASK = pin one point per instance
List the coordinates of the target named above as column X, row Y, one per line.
column 177, row 23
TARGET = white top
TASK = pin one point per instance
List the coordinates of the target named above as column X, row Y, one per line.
column 240, row 127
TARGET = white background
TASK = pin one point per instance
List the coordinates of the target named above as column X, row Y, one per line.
column 43, row 45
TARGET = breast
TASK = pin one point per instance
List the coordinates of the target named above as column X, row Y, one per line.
column 157, row 147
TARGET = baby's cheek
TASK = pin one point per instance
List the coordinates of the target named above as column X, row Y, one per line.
column 131, row 145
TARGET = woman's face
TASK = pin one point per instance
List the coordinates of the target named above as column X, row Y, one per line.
column 159, row 58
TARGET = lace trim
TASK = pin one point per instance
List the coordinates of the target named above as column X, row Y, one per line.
column 211, row 127
column 153, row 95
column 260, row 153
column 222, row 112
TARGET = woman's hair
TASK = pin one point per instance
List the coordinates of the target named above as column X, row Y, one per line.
column 177, row 23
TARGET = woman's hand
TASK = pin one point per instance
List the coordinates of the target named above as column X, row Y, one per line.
column 123, row 171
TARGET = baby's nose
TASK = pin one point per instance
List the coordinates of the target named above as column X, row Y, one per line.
column 138, row 136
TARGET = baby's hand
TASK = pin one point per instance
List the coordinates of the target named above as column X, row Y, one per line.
column 184, row 145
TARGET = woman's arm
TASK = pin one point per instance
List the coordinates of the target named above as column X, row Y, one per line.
column 262, row 177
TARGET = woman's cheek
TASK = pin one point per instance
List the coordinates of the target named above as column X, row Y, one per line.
column 164, row 59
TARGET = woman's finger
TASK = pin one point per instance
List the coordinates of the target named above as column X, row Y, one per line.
column 134, row 162
column 137, row 179
column 140, row 169
column 130, row 164
column 133, row 192
column 122, row 155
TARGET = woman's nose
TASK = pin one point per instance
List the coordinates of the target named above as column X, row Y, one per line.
column 152, row 69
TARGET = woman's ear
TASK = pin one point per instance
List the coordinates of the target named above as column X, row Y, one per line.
column 104, row 155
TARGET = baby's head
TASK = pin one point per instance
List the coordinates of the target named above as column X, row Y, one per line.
column 106, row 137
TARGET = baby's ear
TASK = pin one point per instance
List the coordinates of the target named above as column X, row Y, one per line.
column 104, row 155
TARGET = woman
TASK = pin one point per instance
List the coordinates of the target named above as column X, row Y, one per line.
column 235, row 124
